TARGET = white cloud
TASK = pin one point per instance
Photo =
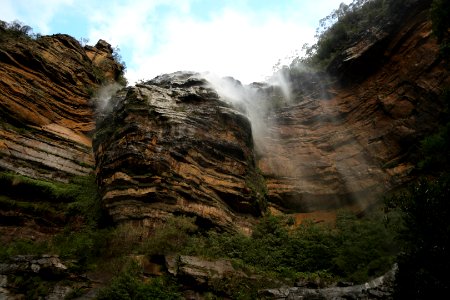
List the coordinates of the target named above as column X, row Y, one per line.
column 160, row 36
column 233, row 43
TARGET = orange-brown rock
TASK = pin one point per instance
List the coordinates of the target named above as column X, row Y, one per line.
column 46, row 113
column 172, row 146
column 341, row 145
column 46, row 120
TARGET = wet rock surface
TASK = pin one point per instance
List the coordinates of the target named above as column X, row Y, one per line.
column 172, row 146
column 343, row 145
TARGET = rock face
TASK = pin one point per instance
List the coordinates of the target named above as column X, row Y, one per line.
column 341, row 145
column 23, row 272
column 46, row 121
column 46, row 114
column 378, row 288
column 172, row 146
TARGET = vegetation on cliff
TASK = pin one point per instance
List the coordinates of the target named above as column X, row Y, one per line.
column 425, row 210
column 354, row 249
column 440, row 12
column 349, row 24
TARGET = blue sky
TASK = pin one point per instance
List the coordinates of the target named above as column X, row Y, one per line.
column 243, row 39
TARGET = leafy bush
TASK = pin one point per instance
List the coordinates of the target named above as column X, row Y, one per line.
column 356, row 250
column 366, row 248
column 424, row 265
column 15, row 29
column 435, row 148
column 23, row 247
column 130, row 285
column 349, row 23
column 171, row 237
column 440, row 12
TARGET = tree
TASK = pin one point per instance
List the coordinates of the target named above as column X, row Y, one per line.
column 424, row 264
column 440, row 12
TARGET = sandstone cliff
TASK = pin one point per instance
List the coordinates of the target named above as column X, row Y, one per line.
column 180, row 145
column 173, row 146
column 47, row 117
column 346, row 139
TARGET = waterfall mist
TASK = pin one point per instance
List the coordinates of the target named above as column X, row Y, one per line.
column 256, row 100
column 102, row 97
column 303, row 139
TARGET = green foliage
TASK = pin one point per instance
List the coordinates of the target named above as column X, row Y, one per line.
column 257, row 184
column 129, row 285
column 15, row 29
column 348, row 24
column 435, row 148
column 23, row 247
column 26, row 187
column 357, row 249
column 440, row 12
column 84, row 245
column 424, row 261
column 118, row 58
column 77, row 200
column 356, row 258
column 86, row 202
column 33, row 287
column 171, row 237
column 77, row 197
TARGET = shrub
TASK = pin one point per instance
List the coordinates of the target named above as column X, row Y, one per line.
column 367, row 247
column 440, row 12
column 171, row 237
column 424, row 261
column 356, row 250
column 130, row 285
column 23, row 247
column 15, row 29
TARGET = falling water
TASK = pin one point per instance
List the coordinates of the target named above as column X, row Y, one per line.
column 294, row 152
column 102, row 97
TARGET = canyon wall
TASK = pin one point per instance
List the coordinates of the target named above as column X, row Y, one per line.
column 46, row 124
column 349, row 136
column 177, row 145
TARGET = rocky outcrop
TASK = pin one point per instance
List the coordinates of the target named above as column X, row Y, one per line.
column 202, row 278
column 378, row 288
column 46, row 123
column 342, row 145
column 172, row 146
column 201, row 271
column 33, row 277
column 47, row 117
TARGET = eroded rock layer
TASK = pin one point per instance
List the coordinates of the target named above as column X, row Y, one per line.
column 171, row 146
column 340, row 145
column 46, row 114
column 46, row 120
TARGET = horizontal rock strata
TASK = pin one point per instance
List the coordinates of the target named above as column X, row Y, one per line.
column 46, row 123
column 171, row 146
column 338, row 146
